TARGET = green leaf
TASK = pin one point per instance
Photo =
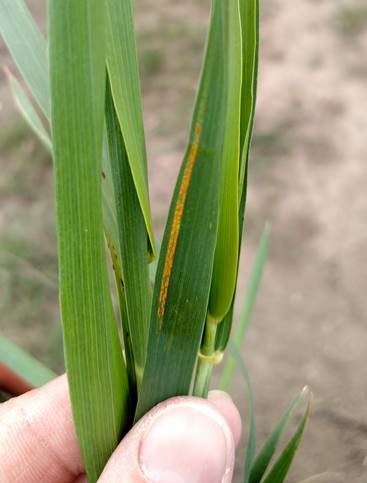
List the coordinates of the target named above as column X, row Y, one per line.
column 28, row 48
column 250, row 51
column 125, row 86
column 226, row 251
column 132, row 240
column 281, row 467
column 185, row 264
column 246, row 311
column 96, row 372
column 264, row 457
column 251, row 441
column 28, row 112
column 113, row 243
column 250, row 37
column 23, row 364
column 35, row 73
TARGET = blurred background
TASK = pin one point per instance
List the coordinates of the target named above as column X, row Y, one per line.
column 308, row 178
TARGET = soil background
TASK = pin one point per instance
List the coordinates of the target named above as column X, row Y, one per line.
column 308, row 178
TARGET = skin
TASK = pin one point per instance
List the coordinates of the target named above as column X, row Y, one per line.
column 182, row 439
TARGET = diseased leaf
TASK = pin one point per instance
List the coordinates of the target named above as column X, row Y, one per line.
column 185, row 264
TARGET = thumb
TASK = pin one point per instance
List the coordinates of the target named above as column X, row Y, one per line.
column 184, row 439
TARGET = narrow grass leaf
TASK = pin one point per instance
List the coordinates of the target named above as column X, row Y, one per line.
column 23, row 364
column 28, row 111
column 281, row 467
column 226, row 252
column 113, row 243
column 182, row 284
column 123, row 72
column 96, row 372
column 28, row 48
column 246, row 311
column 251, row 442
column 267, row 452
column 132, row 240
column 249, row 10
column 35, row 71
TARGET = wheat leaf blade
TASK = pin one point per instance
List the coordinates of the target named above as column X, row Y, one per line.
column 132, row 240
column 281, row 467
column 28, row 112
column 226, row 252
column 182, row 284
column 96, row 372
column 250, row 36
column 26, row 366
column 265, row 455
column 28, row 48
column 125, row 86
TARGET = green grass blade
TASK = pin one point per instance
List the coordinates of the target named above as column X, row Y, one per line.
column 226, row 252
column 125, row 85
column 281, row 467
column 113, row 243
column 96, row 372
column 251, row 441
column 182, row 284
column 246, row 311
column 265, row 455
column 132, row 240
column 28, row 111
column 23, row 364
column 250, row 36
column 35, row 73
column 112, row 239
column 28, row 48
column 250, row 46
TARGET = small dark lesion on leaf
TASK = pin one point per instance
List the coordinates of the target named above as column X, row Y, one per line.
column 103, row 174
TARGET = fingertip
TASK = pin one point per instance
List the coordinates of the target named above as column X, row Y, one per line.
column 182, row 439
column 225, row 405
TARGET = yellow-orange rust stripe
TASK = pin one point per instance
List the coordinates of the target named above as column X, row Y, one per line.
column 176, row 224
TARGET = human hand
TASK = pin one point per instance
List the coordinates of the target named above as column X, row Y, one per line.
column 184, row 439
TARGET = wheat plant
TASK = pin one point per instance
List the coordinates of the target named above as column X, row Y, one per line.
column 83, row 102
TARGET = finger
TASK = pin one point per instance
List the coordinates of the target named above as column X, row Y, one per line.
column 11, row 382
column 223, row 402
column 37, row 437
column 183, row 439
